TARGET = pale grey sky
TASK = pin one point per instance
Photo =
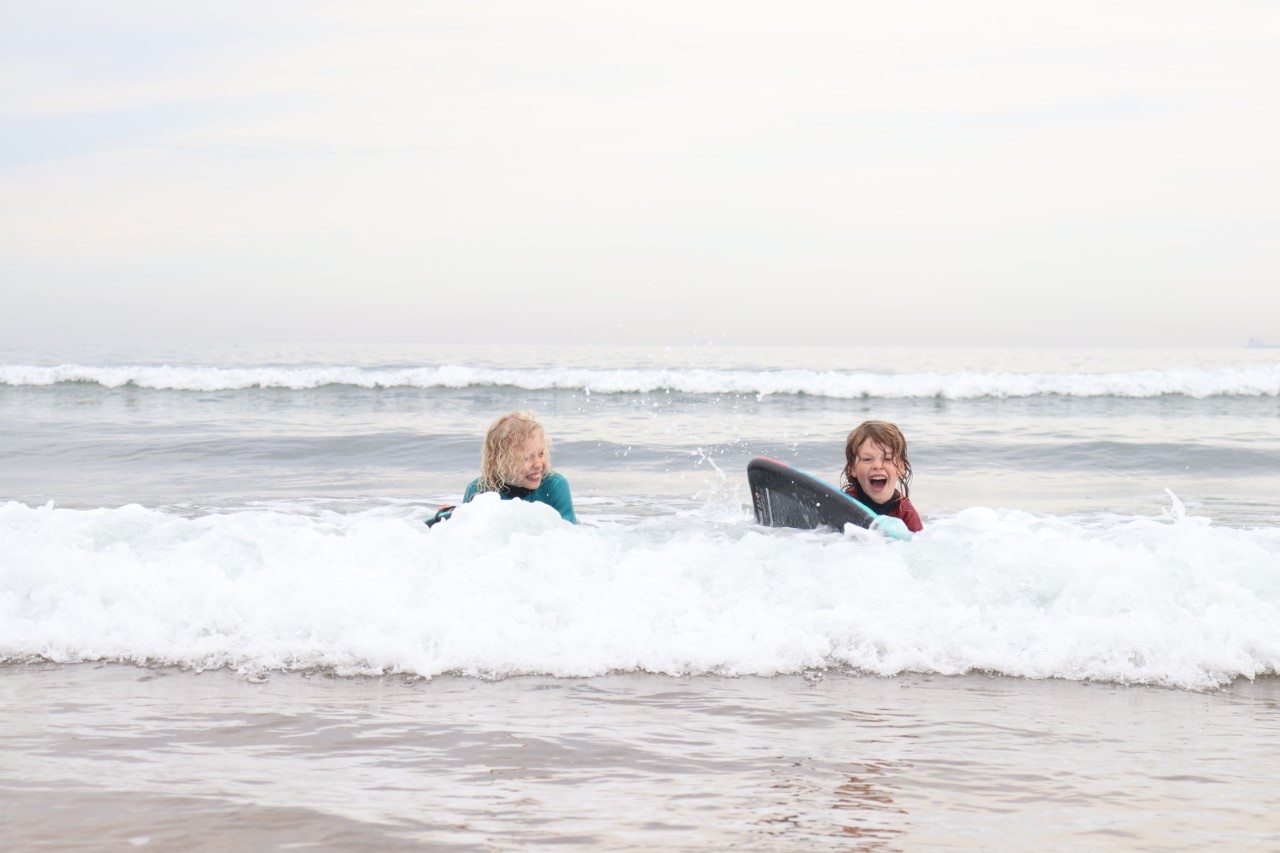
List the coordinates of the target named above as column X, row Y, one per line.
column 923, row 173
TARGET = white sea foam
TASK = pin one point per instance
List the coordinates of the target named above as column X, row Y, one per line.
column 508, row 588
column 1251, row 380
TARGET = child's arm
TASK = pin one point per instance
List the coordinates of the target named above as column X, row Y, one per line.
column 909, row 516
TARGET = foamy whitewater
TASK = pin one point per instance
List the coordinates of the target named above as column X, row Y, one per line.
column 508, row 588
column 1099, row 516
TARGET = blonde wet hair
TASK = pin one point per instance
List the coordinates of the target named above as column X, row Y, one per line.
column 890, row 438
column 501, row 452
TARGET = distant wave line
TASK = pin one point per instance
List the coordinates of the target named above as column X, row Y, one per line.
column 1252, row 381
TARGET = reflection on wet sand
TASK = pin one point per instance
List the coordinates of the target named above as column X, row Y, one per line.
column 127, row 756
column 866, row 812
column 868, row 796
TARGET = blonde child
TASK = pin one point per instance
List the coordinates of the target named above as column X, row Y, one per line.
column 515, row 462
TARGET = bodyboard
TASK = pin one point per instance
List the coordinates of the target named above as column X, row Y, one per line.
column 783, row 496
column 444, row 513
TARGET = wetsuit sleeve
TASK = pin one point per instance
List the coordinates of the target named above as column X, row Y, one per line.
column 555, row 493
column 472, row 488
column 909, row 516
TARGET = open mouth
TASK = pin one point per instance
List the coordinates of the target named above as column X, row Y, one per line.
column 878, row 483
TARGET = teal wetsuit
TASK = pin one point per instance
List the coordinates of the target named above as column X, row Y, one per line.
column 553, row 491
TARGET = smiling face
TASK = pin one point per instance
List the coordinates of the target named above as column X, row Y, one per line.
column 876, row 470
column 529, row 463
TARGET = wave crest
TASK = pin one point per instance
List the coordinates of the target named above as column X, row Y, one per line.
column 1250, row 381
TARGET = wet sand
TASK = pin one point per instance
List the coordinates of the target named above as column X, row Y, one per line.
column 99, row 757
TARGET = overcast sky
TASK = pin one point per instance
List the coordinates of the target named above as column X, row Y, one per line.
column 921, row 173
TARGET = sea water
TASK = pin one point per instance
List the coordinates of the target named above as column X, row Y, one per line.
column 1104, row 518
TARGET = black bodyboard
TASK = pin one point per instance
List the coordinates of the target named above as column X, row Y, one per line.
column 783, row 496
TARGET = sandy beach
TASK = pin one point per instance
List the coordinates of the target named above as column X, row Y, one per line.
column 100, row 757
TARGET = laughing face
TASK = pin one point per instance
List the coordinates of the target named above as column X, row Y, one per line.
column 530, row 463
column 876, row 471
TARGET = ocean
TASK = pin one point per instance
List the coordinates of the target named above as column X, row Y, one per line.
column 223, row 623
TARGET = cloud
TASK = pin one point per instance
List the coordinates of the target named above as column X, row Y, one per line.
column 996, row 169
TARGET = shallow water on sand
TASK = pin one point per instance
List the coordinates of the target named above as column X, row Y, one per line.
column 109, row 756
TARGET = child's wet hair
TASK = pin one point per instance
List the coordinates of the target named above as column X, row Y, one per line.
column 502, row 443
column 890, row 438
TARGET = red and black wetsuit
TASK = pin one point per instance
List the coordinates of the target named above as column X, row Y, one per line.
column 897, row 506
